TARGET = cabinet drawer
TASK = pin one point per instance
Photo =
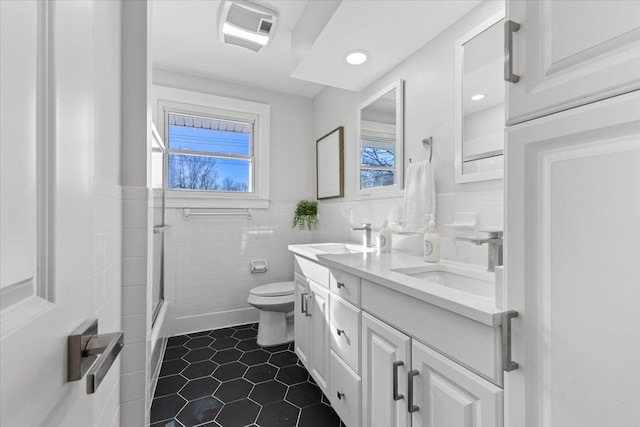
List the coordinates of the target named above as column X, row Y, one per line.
column 344, row 391
column 312, row 270
column 346, row 285
column 344, row 321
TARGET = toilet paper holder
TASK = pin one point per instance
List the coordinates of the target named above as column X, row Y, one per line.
column 258, row 266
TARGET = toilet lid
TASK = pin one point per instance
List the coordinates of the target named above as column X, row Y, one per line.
column 275, row 289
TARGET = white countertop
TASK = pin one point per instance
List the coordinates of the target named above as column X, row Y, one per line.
column 378, row 268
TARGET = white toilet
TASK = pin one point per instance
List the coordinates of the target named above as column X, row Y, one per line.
column 275, row 302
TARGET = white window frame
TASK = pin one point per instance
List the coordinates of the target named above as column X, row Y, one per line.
column 180, row 101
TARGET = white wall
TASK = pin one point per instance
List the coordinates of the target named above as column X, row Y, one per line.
column 429, row 103
column 207, row 259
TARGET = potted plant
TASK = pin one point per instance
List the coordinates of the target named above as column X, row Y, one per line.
column 306, row 215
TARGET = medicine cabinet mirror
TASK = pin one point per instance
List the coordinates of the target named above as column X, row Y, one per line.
column 381, row 141
column 479, row 103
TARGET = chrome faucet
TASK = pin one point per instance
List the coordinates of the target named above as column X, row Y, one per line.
column 495, row 243
column 366, row 236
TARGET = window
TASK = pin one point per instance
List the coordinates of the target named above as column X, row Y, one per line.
column 209, row 154
column 217, row 150
column 377, row 161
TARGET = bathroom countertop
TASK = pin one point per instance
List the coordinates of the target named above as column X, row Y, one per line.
column 378, row 268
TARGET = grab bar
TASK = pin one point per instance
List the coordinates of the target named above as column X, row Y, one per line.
column 87, row 351
column 222, row 211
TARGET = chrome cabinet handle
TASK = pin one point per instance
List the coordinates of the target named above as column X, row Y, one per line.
column 508, row 365
column 510, row 27
column 306, row 311
column 339, row 331
column 396, row 366
column 302, row 301
column 340, row 395
column 411, row 407
column 340, row 285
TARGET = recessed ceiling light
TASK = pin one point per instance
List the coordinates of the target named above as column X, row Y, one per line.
column 477, row 97
column 356, row 57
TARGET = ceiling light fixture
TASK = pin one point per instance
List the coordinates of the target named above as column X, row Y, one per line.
column 356, row 57
column 246, row 24
column 230, row 30
column 477, row 97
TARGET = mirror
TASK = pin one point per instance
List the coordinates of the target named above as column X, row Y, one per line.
column 381, row 141
column 330, row 164
column 480, row 96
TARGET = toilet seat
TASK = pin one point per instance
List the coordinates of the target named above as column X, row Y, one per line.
column 276, row 289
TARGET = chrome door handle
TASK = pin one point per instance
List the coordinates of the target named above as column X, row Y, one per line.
column 340, row 285
column 411, row 407
column 87, row 351
column 396, row 366
column 508, row 365
column 510, row 27
column 302, row 301
column 306, row 310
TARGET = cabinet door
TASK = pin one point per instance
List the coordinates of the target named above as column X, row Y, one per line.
column 319, row 334
column 571, row 251
column 448, row 395
column 383, row 347
column 570, row 53
column 301, row 325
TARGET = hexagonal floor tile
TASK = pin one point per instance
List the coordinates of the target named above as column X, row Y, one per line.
column 230, row 371
column 276, row 348
column 292, row 375
column 199, row 369
column 175, row 352
column 168, row 423
column 227, row 356
column 198, row 334
column 221, row 333
column 167, row 407
column 319, row 415
column 248, row 345
column 245, row 326
column 238, row 413
column 233, row 390
column 304, row 394
column 199, row 388
column 199, row 342
column 279, row 414
column 169, row 385
column 177, row 340
column 199, row 354
column 285, row 358
column 260, row 373
column 268, row 392
column 172, row 367
column 244, row 334
column 199, row 411
column 254, row 357
column 224, row 343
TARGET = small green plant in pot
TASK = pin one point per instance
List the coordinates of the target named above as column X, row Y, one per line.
column 306, row 215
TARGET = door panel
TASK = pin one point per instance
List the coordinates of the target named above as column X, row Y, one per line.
column 572, row 230
column 319, row 325
column 301, row 324
column 382, row 346
column 570, row 53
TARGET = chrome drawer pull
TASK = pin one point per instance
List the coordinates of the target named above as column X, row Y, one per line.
column 306, row 310
column 340, row 395
column 508, row 365
column 510, row 27
column 302, row 303
column 411, row 407
column 340, row 331
column 340, row 285
column 396, row 366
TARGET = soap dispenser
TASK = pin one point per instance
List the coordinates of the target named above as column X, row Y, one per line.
column 432, row 242
column 384, row 240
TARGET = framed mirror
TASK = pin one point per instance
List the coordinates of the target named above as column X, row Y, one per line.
column 479, row 103
column 330, row 164
column 381, row 141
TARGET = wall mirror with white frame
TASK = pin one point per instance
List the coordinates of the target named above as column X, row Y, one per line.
column 381, row 141
column 479, row 103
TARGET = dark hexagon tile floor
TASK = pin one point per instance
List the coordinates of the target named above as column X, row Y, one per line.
column 223, row 378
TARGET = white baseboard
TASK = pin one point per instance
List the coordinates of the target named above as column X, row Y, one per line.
column 205, row 322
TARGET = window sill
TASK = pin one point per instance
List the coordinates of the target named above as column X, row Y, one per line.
column 191, row 200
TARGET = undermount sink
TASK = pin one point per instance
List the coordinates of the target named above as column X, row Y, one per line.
column 473, row 282
column 341, row 248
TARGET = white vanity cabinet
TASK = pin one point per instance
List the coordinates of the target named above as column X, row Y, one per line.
column 570, row 53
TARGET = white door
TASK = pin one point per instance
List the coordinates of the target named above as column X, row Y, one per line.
column 301, row 324
column 569, row 53
column 386, row 359
column 448, row 395
column 49, row 276
column 572, row 258
column 319, row 334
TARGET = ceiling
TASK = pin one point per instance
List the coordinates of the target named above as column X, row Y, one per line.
column 185, row 39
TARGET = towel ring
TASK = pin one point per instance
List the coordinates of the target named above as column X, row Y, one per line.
column 427, row 143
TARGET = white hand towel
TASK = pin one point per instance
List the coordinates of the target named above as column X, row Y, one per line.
column 419, row 196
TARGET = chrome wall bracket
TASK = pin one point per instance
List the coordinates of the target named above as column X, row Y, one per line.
column 92, row 354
